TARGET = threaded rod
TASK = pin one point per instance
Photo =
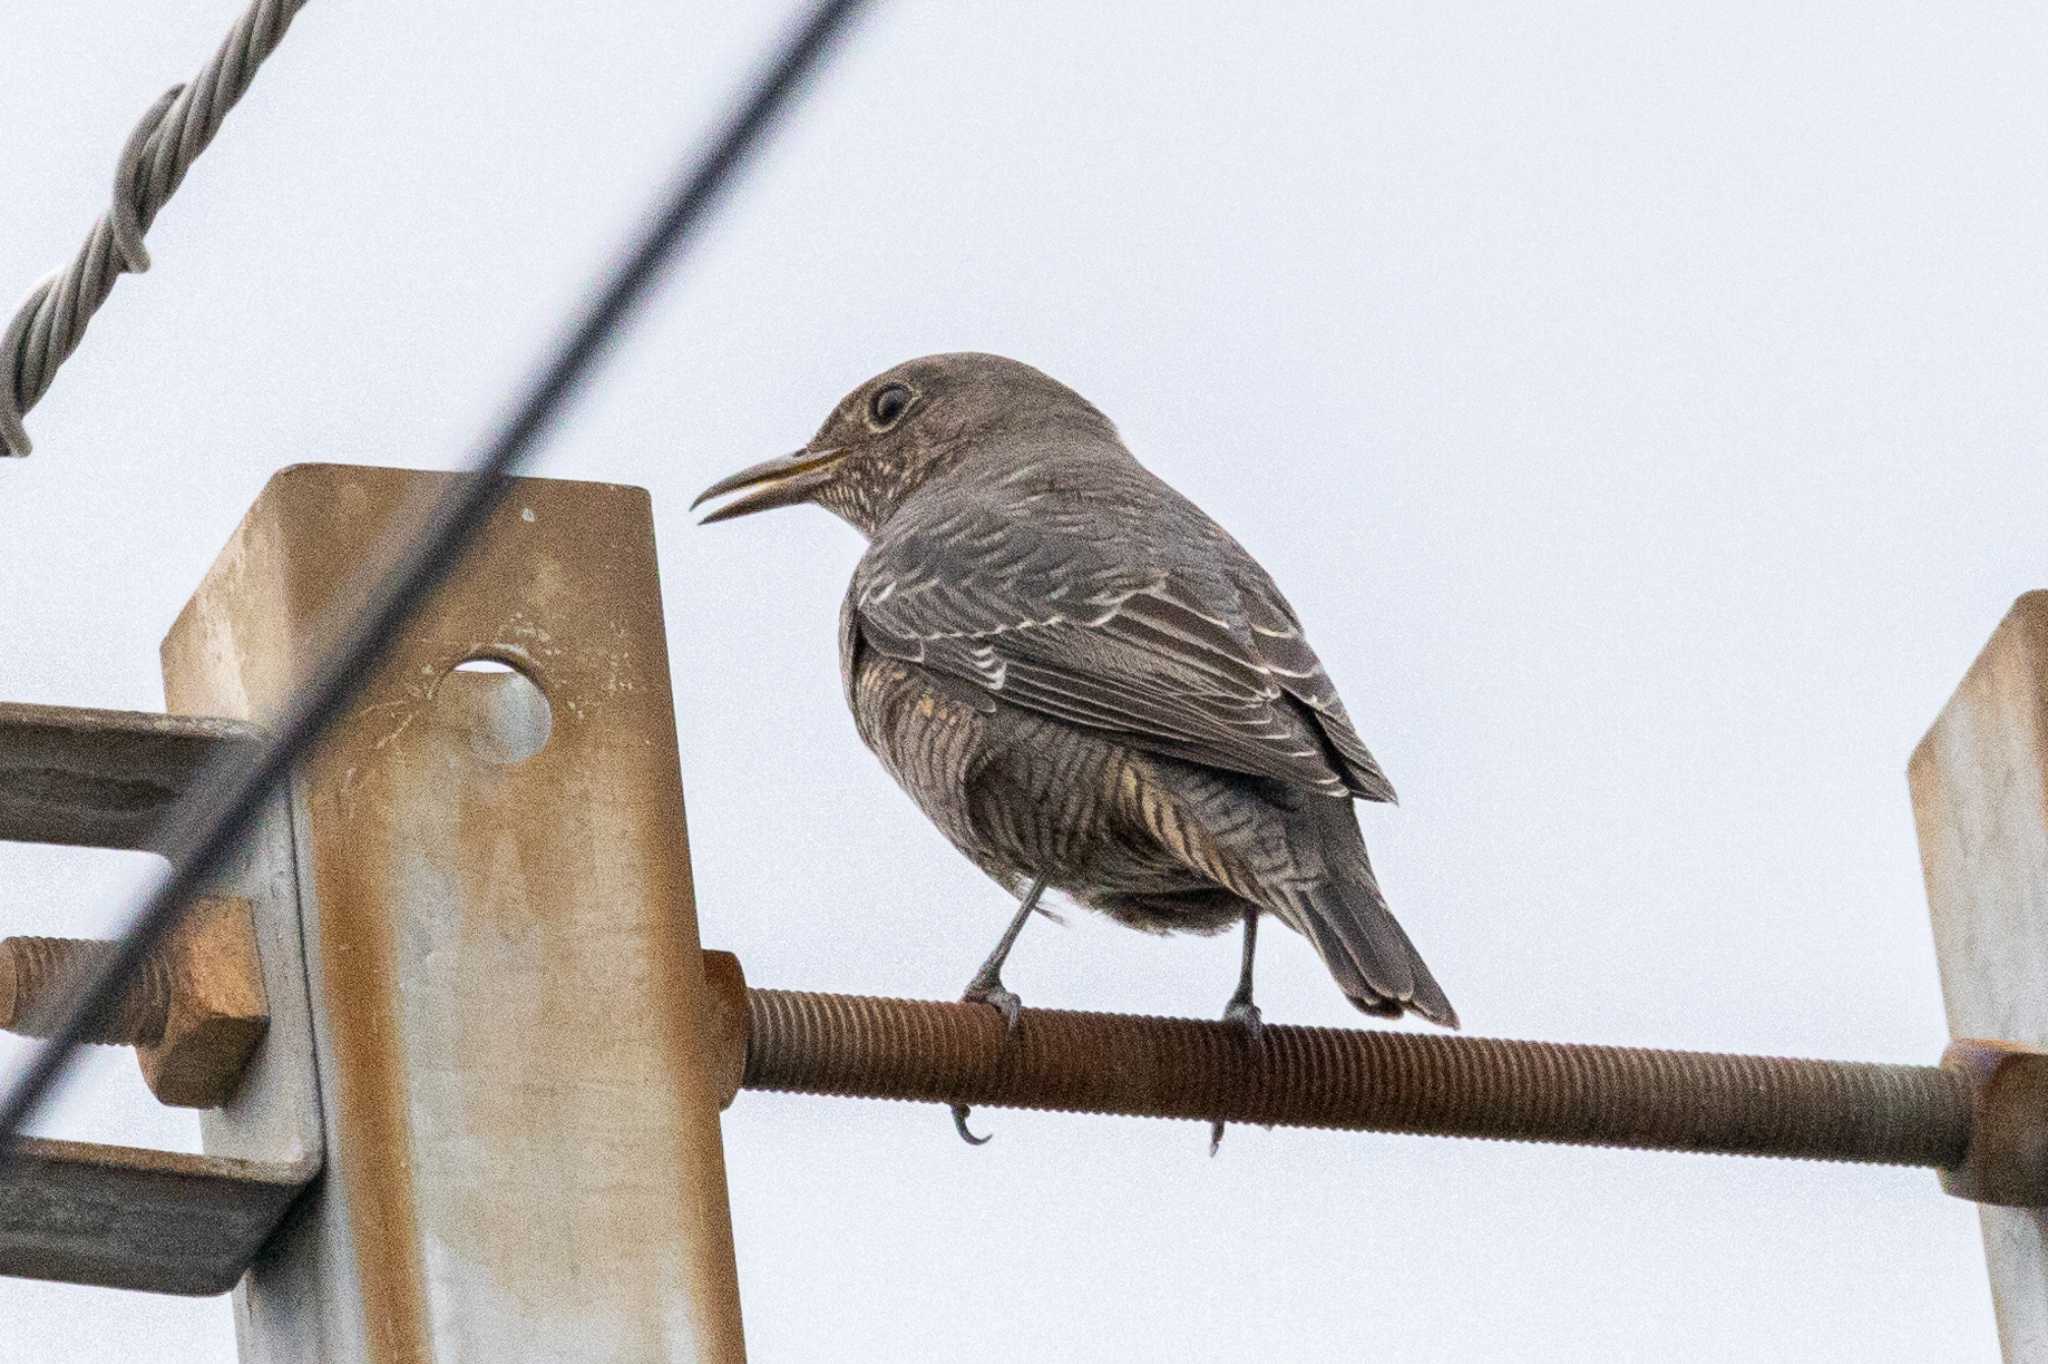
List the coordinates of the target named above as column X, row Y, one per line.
column 1357, row 1079
column 39, row 975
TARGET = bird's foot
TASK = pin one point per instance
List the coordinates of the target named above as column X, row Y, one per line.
column 990, row 990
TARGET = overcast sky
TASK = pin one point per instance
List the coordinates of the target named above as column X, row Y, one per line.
column 1643, row 406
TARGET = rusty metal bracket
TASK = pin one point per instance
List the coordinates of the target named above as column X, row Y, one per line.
column 126, row 1217
column 523, row 1146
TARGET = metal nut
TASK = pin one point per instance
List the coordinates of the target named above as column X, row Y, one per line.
column 194, row 1015
column 725, row 1022
column 2007, row 1161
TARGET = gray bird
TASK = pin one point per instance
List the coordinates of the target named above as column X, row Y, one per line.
column 1086, row 683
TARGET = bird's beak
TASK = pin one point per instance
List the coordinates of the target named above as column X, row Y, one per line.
column 778, row 483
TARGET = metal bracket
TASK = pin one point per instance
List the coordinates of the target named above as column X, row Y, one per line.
column 128, row 1217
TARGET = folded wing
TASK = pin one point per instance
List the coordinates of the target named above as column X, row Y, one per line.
column 1194, row 654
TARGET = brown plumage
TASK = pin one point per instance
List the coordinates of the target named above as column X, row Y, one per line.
column 1084, row 682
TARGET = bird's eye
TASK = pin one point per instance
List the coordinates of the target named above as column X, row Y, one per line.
column 888, row 404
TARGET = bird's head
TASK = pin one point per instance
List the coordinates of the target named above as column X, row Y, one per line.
column 907, row 425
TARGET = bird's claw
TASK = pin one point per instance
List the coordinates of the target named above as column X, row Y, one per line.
column 960, row 1112
column 1004, row 1001
column 991, row 992
column 1244, row 1015
column 987, row 988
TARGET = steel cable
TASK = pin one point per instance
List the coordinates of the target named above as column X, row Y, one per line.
column 181, row 124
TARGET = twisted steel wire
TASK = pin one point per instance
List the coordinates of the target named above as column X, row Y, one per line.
column 178, row 127
column 1359, row 1080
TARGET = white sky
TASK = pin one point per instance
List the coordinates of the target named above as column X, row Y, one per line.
column 1643, row 406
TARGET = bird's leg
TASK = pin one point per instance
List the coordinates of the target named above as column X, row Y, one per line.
column 987, row 988
column 987, row 985
column 1241, row 1010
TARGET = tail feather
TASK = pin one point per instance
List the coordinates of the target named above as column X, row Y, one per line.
column 1429, row 998
column 1366, row 950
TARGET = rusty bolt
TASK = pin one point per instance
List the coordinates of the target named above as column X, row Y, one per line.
column 1368, row 1080
column 194, row 1015
column 33, row 970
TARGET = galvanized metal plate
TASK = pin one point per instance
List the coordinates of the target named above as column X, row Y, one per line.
column 99, row 778
column 124, row 1217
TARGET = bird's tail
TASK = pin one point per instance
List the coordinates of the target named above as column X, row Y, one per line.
column 1346, row 917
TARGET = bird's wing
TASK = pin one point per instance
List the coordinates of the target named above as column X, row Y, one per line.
column 1199, row 658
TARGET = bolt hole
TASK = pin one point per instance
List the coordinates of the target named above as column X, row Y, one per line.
column 504, row 712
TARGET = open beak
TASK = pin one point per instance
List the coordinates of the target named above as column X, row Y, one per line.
column 777, row 483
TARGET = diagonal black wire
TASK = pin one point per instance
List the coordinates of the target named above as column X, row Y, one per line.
column 205, row 828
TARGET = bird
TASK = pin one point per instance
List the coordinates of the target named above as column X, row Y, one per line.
column 1086, row 684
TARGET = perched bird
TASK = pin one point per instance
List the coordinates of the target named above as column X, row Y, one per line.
column 1086, row 683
